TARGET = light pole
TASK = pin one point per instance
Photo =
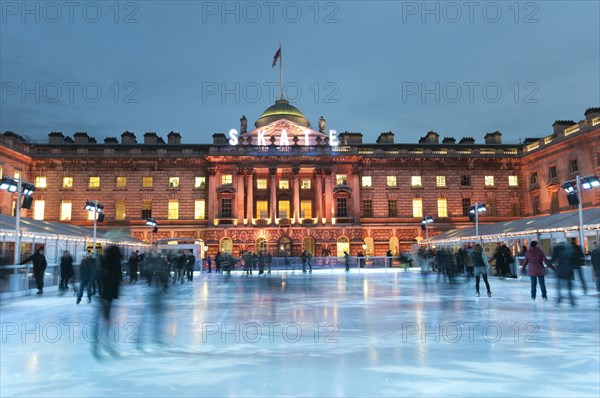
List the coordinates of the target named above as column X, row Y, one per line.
column 572, row 187
column 151, row 222
column 474, row 216
column 425, row 225
column 98, row 209
column 20, row 187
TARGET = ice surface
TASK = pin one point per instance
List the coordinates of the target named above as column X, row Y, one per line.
column 320, row 334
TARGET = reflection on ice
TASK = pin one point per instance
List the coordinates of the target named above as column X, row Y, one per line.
column 320, row 334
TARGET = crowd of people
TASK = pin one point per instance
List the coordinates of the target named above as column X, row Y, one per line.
column 102, row 273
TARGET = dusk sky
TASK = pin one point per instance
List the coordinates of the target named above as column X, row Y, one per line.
column 462, row 69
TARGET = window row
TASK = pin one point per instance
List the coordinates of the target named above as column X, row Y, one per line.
column 442, row 208
column 552, row 172
column 283, row 210
column 66, row 210
column 440, row 181
column 120, row 182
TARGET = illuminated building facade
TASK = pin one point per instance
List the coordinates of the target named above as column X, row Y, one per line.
column 285, row 187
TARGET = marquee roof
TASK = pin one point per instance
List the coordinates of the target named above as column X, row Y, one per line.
column 51, row 229
column 561, row 222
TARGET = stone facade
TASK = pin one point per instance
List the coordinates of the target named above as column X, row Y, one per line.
column 306, row 194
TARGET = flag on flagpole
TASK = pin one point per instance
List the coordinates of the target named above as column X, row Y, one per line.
column 276, row 57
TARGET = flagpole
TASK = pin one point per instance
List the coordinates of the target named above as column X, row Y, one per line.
column 280, row 72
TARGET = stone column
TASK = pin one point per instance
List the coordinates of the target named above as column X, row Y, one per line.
column 239, row 195
column 355, row 185
column 250, row 195
column 328, row 196
column 295, row 179
column 273, row 201
column 212, row 185
column 319, row 194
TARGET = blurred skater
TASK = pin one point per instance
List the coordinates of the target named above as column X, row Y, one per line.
column 191, row 264
column 110, row 277
column 536, row 259
column 564, row 253
column 39, row 268
column 87, row 274
column 596, row 264
column 481, row 265
column 66, row 271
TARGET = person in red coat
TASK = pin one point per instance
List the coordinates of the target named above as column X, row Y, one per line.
column 535, row 259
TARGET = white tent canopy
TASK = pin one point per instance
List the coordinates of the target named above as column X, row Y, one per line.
column 563, row 223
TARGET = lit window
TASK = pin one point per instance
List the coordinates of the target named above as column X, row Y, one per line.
column 305, row 209
column 513, row 181
column 284, row 209
column 200, row 209
column 40, row 182
column 17, row 175
column 392, row 181
column 415, row 181
column 262, row 209
column 284, row 183
column 147, row 182
column 261, row 183
column 121, row 182
column 418, row 207
column 366, row 182
column 38, row 209
column 442, row 207
column 119, row 210
column 66, row 207
column 67, row 182
column 173, row 182
column 305, row 183
column 340, row 180
column 489, row 181
column 200, row 182
column 227, row 179
column 94, row 182
column 440, row 181
column 173, row 210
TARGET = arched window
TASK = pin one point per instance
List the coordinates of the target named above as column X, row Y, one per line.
column 343, row 245
column 370, row 251
column 262, row 246
column 394, row 245
column 308, row 244
column 226, row 245
column 284, row 247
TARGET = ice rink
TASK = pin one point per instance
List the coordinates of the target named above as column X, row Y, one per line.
column 321, row 334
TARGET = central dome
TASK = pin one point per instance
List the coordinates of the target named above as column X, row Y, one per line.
column 281, row 110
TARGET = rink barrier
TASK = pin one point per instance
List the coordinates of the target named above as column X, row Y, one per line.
column 18, row 280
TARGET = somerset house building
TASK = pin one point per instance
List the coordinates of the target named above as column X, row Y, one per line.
column 288, row 185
